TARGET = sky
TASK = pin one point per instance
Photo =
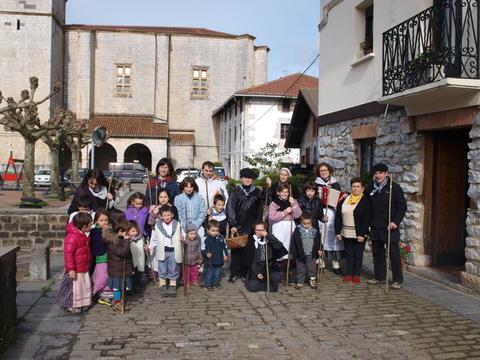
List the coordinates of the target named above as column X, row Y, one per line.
column 288, row 28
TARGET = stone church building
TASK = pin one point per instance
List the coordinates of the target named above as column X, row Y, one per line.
column 154, row 88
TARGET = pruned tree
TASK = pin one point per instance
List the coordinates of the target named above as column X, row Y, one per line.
column 77, row 138
column 22, row 117
column 268, row 159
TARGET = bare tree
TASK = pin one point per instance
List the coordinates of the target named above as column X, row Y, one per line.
column 76, row 138
column 22, row 117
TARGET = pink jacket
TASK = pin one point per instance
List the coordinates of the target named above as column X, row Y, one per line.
column 76, row 250
column 275, row 216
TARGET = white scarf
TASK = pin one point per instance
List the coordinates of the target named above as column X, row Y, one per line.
column 101, row 194
column 322, row 182
column 258, row 241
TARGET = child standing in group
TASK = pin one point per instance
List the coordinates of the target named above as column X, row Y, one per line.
column 154, row 212
column 217, row 254
column 193, row 256
column 306, row 249
column 281, row 214
column 75, row 291
column 137, row 210
column 119, row 259
column 166, row 247
column 84, row 205
column 217, row 212
column 190, row 205
column 137, row 244
column 310, row 203
column 99, row 251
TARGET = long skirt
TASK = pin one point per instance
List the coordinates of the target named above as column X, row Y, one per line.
column 283, row 230
column 74, row 293
column 333, row 248
column 100, row 278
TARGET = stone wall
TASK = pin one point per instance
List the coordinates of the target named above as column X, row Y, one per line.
column 395, row 146
column 8, row 288
column 26, row 227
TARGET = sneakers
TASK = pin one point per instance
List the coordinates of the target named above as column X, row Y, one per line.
column 347, row 278
column 356, row 280
column 164, row 290
column 171, row 291
column 75, row 311
column 218, row 286
column 375, row 282
column 298, row 286
column 396, row 286
column 313, row 283
column 104, row 301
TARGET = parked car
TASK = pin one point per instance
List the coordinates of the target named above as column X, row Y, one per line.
column 42, row 178
column 182, row 173
column 220, row 172
column 131, row 172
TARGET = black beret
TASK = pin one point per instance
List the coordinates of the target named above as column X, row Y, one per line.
column 248, row 173
column 380, row 167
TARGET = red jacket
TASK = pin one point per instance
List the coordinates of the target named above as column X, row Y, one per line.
column 76, row 250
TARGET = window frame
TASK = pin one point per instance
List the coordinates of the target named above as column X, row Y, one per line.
column 364, row 146
column 199, row 78
column 124, row 76
column 282, row 127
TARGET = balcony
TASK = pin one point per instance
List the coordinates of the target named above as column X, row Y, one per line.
column 431, row 61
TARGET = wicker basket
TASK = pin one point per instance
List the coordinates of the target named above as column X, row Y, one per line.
column 237, row 242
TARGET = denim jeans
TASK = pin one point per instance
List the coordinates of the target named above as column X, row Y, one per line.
column 213, row 275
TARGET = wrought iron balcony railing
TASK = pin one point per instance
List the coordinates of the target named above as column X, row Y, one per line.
column 441, row 41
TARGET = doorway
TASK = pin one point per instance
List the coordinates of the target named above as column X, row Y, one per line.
column 446, row 178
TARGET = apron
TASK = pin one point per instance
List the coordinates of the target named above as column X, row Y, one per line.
column 330, row 243
column 283, row 230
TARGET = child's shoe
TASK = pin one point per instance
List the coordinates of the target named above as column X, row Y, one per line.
column 298, row 286
column 75, row 311
column 171, row 291
column 209, row 288
column 104, row 301
column 347, row 278
column 356, row 280
column 218, row 286
column 164, row 290
column 313, row 283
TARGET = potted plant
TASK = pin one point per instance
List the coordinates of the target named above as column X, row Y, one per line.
column 405, row 251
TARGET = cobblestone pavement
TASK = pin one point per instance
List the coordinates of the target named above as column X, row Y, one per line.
column 339, row 322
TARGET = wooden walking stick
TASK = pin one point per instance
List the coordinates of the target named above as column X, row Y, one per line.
column 389, row 232
column 268, row 271
column 290, row 243
column 149, row 188
column 184, row 265
column 123, row 285
column 321, row 263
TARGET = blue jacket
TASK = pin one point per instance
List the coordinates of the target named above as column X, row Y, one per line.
column 217, row 247
column 191, row 209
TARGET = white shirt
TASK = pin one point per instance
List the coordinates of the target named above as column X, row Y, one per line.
column 214, row 186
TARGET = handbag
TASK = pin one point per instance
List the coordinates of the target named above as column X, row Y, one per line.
column 237, row 242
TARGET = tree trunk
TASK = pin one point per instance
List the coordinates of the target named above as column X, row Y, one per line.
column 54, row 172
column 29, row 168
column 75, row 165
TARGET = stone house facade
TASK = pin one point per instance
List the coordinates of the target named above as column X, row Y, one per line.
column 168, row 79
column 255, row 116
column 417, row 110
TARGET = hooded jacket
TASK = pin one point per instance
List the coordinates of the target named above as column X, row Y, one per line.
column 76, row 250
column 117, row 253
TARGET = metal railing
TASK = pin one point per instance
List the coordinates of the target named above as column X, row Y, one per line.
column 441, row 41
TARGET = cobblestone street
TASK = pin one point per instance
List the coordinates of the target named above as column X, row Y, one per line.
column 339, row 322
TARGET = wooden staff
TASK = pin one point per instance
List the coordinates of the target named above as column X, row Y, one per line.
column 322, row 242
column 389, row 232
column 268, row 271
column 109, row 187
column 149, row 188
column 123, row 285
column 184, row 265
column 290, row 243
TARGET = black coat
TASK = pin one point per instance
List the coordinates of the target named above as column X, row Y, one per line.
column 96, row 202
column 276, row 250
column 243, row 210
column 297, row 246
column 314, row 207
column 379, row 205
column 361, row 217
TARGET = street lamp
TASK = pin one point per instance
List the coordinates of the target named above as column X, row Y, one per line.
column 99, row 136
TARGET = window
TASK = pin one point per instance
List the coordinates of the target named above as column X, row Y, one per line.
column 367, row 149
column 286, row 105
column 284, row 130
column 123, row 80
column 367, row 44
column 199, row 82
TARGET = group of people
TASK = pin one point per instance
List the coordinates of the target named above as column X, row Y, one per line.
column 175, row 232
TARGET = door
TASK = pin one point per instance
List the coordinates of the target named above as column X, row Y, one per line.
column 449, row 197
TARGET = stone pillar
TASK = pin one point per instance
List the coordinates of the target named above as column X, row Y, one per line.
column 40, row 262
column 8, row 289
column 471, row 275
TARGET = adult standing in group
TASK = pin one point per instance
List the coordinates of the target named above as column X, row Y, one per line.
column 95, row 186
column 283, row 179
column 210, row 185
column 244, row 208
column 333, row 248
column 379, row 194
column 164, row 180
column 352, row 221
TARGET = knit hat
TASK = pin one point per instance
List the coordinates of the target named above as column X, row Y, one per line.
column 380, row 167
column 248, row 173
column 191, row 227
column 287, row 170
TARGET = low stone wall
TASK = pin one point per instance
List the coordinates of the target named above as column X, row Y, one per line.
column 26, row 227
column 8, row 289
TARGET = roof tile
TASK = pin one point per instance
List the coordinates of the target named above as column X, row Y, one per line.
column 285, row 86
column 130, row 126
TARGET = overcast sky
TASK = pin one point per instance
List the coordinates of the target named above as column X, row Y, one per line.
column 289, row 28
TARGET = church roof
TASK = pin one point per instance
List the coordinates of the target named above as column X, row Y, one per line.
column 130, row 126
column 288, row 86
column 157, row 29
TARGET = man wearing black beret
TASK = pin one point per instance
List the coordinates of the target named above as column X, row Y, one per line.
column 244, row 208
column 379, row 194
